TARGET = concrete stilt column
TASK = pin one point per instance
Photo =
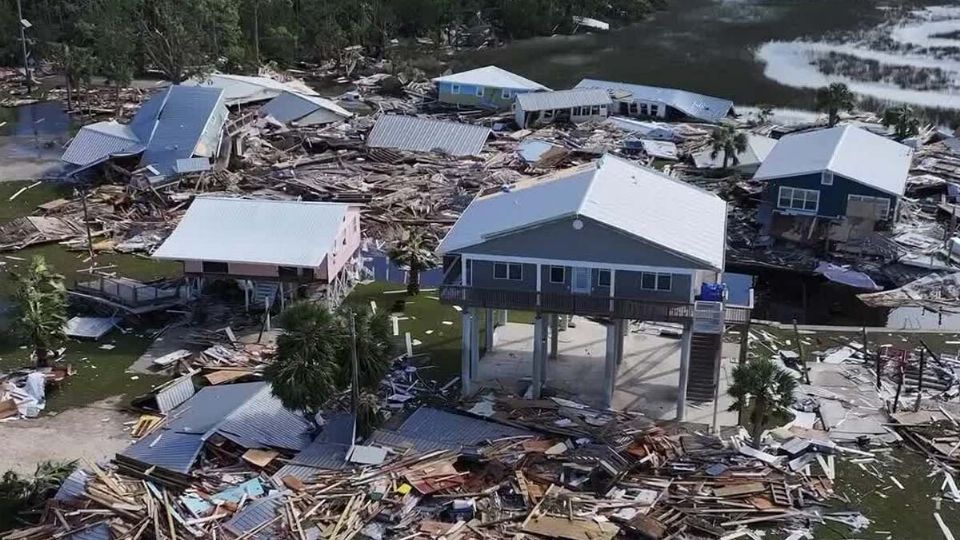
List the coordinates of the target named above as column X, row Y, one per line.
column 539, row 355
column 554, row 335
column 621, row 332
column 504, row 316
column 610, row 365
column 544, row 350
column 490, row 327
column 466, row 379
column 684, row 372
column 474, row 344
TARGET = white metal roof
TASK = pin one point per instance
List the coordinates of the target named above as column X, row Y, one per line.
column 294, row 107
column 240, row 89
column 562, row 99
column 427, row 135
column 709, row 108
column 257, row 231
column 493, row 77
column 639, row 201
column 848, row 151
column 100, row 140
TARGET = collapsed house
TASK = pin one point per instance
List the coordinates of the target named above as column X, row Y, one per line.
column 271, row 248
column 746, row 162
column 668, row 103
column 608, row 239
column 488, row 87
column 415, row 134
column 177, row 131
column 838, row 184
column 561, row 106
column 298, row 109
column 245, row 89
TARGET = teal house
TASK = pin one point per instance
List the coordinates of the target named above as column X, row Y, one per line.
column 488, row 87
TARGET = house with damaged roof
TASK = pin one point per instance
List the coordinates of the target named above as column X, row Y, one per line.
column 177, row 131
column 487, row 87
column 609, row 240
column 654, row 102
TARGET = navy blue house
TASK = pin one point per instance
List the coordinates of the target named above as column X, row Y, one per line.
column 840, row 175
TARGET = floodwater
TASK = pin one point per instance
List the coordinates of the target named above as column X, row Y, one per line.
column 31, row 139
column 762, row 51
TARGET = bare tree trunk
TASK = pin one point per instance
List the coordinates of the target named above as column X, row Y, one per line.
column 413, row 280
column 42, row 360
column 757, row 421
column 116, row 97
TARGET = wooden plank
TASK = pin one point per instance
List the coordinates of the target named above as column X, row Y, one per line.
column 556, row 527
column 739, row 489
column 259, row 458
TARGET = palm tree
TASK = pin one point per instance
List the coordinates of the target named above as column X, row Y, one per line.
column 833, row 99
column 42, row 301
column 764, row 389
column 413, row 249
column 727, row 140
column 314, row 359
column 904, row 120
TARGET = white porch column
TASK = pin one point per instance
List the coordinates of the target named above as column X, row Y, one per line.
column 539, row 328
column 474, row 344
column 490, row 327
column 466, row 379
column 539, row 281
column 684, row 371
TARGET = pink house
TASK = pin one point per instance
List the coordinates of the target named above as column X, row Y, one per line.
column 271, row 248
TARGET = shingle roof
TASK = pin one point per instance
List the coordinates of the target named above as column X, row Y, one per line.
column 241, row 89
column 101, row 140
column 562, row 99
column 261, row 231
column 292, row 107
column 427, row 135
column 636, row 200
column 847, row 151
column 699, row 106
column 492, row 77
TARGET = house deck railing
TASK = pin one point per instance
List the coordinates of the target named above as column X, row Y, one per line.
column 621, row 308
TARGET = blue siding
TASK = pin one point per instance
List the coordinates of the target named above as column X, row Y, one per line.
column 833, row 199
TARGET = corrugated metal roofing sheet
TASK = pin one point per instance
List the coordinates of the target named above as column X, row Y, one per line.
column 340, row 428
column 327, row 452
column 699, row 106
column 285, row 233
column 211, row 405
column 255, row 514
column 263, row 421
column 99, row 141
column 73, row 488
column 291, row 107
column 100, row 531
column 491, row 77
column 188, row 122
column 175, row 393
column 241, row 89
column 429, row 429
column 167, row 449
column 639, row 201
column 426, row 135
column 194, row 164
column 848, row 151
column 562, row 99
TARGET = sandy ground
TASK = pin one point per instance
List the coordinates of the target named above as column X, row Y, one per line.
column 93, row 432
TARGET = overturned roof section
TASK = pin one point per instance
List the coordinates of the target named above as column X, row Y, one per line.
column 188, row 124
column 699, row 106
column 638, row 201
column 329, row 451
column 428, row 429
column 493, row 77
column 426, row 135
column 220, row 410
column 562, row 99
column 847, row 151
column 101, row 140
column 758, row 148
column 303, row 110
column 242, row 89
column 257, row 231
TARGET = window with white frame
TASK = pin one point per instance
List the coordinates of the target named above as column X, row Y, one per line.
column 455, row 89
column 656, row 281
column 803, row 200
column 558, row 274
column 654, row 110
column 575, row 111
column 603, row 278
column 479, row 91
column 881, row 205
column 595, row 110
column 506, row 93
column 826, row 178
column 511, row 271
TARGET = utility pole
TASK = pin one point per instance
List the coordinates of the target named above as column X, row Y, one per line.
column 23, row 43
column 355, row 366
column 86, row 223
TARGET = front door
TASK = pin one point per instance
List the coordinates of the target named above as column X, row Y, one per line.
column 581, row 280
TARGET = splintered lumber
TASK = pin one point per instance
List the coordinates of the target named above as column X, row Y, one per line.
column 571, row 529
column 739, row 489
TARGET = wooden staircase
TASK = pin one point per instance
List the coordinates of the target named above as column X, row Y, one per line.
column 703, row 366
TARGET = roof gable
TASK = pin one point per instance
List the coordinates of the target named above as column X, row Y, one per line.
column 849, row 151
column 638, row 201
column 255, row 231
column 290, row 106
column 491, row 76
column 184, row 123
column 562, row 99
